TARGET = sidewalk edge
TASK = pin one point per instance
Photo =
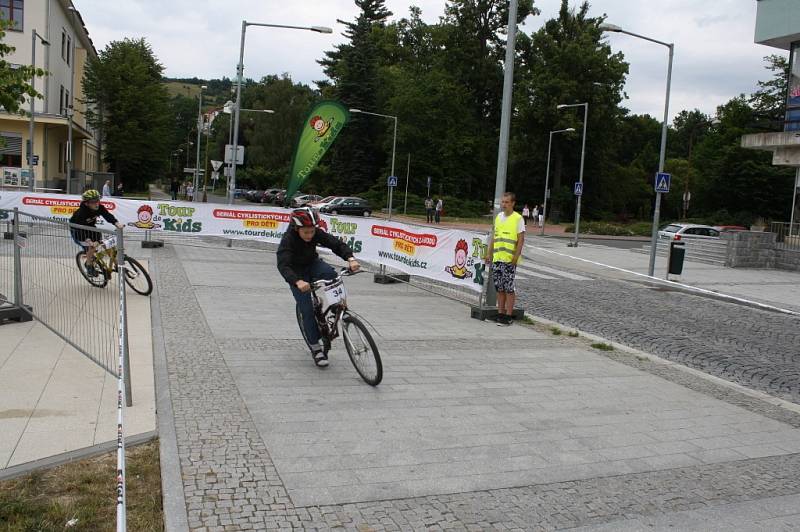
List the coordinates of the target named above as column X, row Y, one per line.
column 173, row 498
column 755, row 394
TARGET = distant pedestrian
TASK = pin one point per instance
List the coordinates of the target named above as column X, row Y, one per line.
column 505, row 248
column 439, row 209
column 526, row 213
column 174, row 187
column 429, row 210
column 189, row 193
column 535, row 213
column 541, row 217
column 120, row 191
column 106, row 188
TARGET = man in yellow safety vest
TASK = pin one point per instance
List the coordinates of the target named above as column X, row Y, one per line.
column 505, row 249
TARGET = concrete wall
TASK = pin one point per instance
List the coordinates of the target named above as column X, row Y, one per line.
column 777, row 23
column 787, row 259
column 750, row 249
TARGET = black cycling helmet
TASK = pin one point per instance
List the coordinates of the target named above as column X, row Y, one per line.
column 305, row 217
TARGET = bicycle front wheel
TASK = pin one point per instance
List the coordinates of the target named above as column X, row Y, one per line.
column 98, row 278
column 362, row 349
column 137, row 277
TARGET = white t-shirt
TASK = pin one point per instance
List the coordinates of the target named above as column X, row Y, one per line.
column 520, row 223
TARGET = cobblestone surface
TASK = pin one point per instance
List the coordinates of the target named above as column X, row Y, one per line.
column 755, row 348
column 231, row 483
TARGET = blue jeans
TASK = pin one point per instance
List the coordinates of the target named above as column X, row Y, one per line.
column 316, row 272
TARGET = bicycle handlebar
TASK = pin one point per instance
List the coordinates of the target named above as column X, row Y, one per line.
column 344, row 272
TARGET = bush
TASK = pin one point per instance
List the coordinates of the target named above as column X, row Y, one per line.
column 605, row 228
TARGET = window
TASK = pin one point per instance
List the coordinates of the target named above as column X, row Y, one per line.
column 69, row 49
column 12, row 10
column 64, row 44
column 11, row 150
column 61, row 105
column 67, row 102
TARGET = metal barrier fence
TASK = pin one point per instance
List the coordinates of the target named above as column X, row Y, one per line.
column 39, row 275
column 788, row 235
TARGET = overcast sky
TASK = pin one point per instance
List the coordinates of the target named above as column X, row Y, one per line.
column 715, row 57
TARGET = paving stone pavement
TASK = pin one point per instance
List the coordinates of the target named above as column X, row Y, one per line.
column 755, row 348
column 546, row 435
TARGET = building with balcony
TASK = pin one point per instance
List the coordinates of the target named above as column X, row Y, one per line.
column 64, row 57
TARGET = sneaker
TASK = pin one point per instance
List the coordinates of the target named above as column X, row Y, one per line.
column 320, row 358
column 504, row 320
column 91, row 271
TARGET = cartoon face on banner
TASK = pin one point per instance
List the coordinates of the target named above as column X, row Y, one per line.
column 144, row 218
column 459, row 269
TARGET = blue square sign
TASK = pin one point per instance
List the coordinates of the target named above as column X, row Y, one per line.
column 392, row 181
column 662, row 182
column 578, row 188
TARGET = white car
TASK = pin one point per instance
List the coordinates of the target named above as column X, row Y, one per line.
column 687, row 231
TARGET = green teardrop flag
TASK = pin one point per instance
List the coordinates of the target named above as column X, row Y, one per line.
column 326, row 119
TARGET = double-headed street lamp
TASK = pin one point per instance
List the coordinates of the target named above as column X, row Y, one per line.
column 583, row 154
column 657, row 211
column 196, row 184
column 239, row 74
column 35, row 35
column 547, row 176
column 394, row 149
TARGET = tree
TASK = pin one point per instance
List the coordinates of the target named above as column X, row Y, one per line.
column 769, row 101
column 125, row 81
column 14, row 81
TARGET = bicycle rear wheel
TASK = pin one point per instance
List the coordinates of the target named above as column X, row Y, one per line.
column 99, row 278
column 137, row 277
column 326, row 343
column 362, row 349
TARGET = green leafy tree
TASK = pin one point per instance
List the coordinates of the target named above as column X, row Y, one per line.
column 769, row 101
column 125, row 80
column 14, row 81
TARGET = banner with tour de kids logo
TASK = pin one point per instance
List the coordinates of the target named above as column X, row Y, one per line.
column 448, row 255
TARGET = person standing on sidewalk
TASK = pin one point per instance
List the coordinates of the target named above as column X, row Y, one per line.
column 541, row 216
column 429, row 210
column 106, row 189
column 439, row 209
column 505, row 249
column 526, row 213
column 174, row 187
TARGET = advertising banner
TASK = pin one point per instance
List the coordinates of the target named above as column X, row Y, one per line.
column 448, row 255
column 324, row 123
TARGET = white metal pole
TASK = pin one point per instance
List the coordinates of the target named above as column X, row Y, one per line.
column 580, row 177
column 408, row 176
column 394, row 147
column 546, row 185
column 31, row 177
column 196, row 196
column 239, row 72
column 661, row 160
column 794, row 199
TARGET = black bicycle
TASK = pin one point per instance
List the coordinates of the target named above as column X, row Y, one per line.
column 329, row 300
column 105, row 263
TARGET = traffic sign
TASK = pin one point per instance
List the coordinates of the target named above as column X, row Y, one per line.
column 35, row 161
column 229, row 154
column 578, row 188
column 216, row 165
column 214, row 175
column 392, row 181
column 662, row 182
column 191, row 171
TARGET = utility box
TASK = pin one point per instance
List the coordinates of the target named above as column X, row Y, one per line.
column 677, row 254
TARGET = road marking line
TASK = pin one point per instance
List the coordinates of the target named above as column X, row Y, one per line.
column 528, row 271
column 686, row 287
column 553, row 271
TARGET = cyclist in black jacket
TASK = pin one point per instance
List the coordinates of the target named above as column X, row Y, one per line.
column 299, row 264
column 87, row 214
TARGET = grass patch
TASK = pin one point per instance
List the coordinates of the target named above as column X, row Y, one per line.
column 573, row 334
column 86, row 491
column 603, row 346
column 527, row 319
column 555, row 330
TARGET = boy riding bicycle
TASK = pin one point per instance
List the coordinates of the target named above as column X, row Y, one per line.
column 87, row 215
column 299, row 264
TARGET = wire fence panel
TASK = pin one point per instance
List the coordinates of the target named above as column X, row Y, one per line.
column 59, row 296
column 6, row 260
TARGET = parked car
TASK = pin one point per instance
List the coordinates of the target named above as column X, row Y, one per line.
column 280, row 197
column 328, row 201
column 689, row 231
column 305, row 199
column 253, row 195
column 269, row 195
column 352, row 206
column 320, row 202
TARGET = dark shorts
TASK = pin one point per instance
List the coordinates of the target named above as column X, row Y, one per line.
column 503, row 276
column 79, row 236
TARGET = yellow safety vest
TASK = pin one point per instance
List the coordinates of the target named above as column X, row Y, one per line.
column 505, row 238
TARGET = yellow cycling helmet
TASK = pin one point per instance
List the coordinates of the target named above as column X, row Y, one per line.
column 91, row 195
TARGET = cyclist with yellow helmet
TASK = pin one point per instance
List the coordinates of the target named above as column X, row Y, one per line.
column 87, row 214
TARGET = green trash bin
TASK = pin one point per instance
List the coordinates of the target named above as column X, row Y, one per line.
column 677, row 253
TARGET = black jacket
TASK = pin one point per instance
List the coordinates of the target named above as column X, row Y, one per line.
column 86, row 216
column 295, row 255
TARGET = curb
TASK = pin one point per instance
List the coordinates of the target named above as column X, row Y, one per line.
column 762, row 396
column 173, row 498
column 78, row 454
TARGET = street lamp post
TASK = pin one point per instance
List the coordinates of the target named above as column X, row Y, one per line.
column 547, row 176
column 583, row 154
column 662, row 156
column 394, row 149
column 228, row 109
column 239, row 74
column 32, row 177
column 196, row 184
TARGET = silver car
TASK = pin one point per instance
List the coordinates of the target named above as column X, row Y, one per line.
column 687, row 231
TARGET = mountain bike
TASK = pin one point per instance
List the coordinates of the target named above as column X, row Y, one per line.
column 329, row 300
column 105, row 263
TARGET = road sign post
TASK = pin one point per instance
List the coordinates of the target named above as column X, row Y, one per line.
column 662, row 182
column 391, row 182
column 578, row 188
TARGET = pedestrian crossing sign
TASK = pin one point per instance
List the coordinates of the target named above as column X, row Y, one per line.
column 578, row 188
column 392, row 181
column 662, row 182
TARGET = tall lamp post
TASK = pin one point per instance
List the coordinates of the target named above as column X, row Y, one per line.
column 547, row 176
column 662, row 156
column 239, row 74
column 583, row 154
column 196, row 184
column 228, row 109
column 394, row 149
column 35, row 35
